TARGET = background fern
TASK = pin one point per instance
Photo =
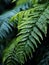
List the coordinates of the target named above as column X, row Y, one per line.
column 4, row 18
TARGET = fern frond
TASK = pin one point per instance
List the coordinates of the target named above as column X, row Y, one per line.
column 32, row 24
column 5, row 29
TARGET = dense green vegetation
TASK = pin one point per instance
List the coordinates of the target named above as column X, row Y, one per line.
column 23, row 30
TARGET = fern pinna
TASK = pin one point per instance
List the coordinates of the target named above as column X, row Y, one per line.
column 32, row 27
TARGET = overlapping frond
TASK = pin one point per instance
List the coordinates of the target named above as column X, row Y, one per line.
column 32, row 26
column 6, row 27
column 5, row 30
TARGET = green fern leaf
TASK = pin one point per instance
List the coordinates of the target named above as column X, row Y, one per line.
column 32, row 24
